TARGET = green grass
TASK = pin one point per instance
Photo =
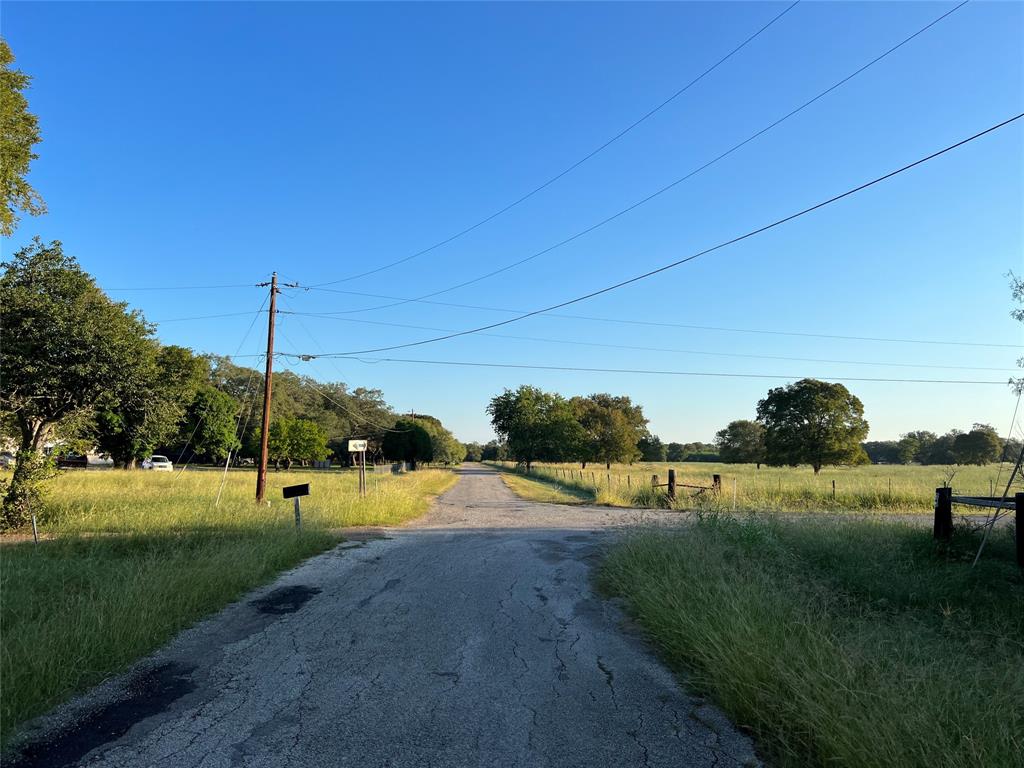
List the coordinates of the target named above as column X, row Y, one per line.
column 129, row 559
column 839, row 641
column 539, row 488
column 893, row 489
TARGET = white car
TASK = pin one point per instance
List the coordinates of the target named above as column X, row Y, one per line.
column 158, row 463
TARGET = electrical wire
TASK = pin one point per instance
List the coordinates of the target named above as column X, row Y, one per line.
column 698, row 254
column 578, row 163
column 660, row 324
column 633, row 371
column 358, row 417
column 678, row 181
column 573, row 342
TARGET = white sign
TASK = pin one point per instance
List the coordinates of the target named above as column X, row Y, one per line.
column 354, row 446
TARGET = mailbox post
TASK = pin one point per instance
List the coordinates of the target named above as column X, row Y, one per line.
column 359, row 446
column 296, row 492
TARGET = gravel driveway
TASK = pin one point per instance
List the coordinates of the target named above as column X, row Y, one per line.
column 472, row 637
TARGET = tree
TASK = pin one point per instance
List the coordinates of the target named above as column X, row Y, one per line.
column 211, row 424
column 66, row 347
column 675, row 452
column 408, row 441
column 474, row 451
column 494, row 451
column 150, row 405
column 883, row 451
column 651, row 448
column 741, row 442
column 612, row 427
column 535, row 425
column 981, row 445
column 19, row 133
column 299, row 440
column 1011, row 450
column 812, row 422
column 444, row 448
column 940, row 450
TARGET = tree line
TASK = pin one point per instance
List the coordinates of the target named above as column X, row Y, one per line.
column 84, row 373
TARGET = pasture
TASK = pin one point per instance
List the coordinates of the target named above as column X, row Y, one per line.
column 896, row 489
column 128, row 559
column 839, row 640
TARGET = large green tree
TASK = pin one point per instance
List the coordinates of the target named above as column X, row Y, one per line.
column 66, row 348
column 612, row 427
column 211, row 424
column 19, row 133
column 982, row 445
column 812, row 422
column 299, row 440
column 535, row 425
column 651, row 448
column 151, row 404
column 408, row 441
column 741, row 442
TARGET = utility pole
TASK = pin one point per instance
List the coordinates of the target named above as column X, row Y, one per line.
column 261, row 473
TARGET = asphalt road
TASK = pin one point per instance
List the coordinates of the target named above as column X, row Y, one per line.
column 471, row 638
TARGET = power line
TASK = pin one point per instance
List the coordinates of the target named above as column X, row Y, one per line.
column 692, row 257
column 360, row 419
column 680, row 180
column 653, row 323
column 201, row 317
column 578, row 163
column 574, row 342
column 182, row 287
column 661, row 372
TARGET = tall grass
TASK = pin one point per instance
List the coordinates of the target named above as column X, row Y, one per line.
column 129, row 559
column 889, row 488
column 840, row 642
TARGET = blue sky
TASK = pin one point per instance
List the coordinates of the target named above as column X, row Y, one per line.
column 207, row 144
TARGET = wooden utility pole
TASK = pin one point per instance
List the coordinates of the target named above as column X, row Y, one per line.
column 261, row 473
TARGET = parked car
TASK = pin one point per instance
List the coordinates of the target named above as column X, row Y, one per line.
column 6, row 460
column 72, row 461
column 158, row 463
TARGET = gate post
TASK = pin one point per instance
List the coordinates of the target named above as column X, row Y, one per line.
column 943, row 528
column 672, row 485
column 1019, row 533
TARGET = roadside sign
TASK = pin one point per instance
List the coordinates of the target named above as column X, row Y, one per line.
column 294, row 491
column 355, row 446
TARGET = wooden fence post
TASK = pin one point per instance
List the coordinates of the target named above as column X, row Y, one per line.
column 672, row 485
column 654, row 482
column 1019, row 534
column 833, row 490
column 716, row 483
column 943, row 528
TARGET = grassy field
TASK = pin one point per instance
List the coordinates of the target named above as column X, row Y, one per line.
column 839, row 642
column 888, row 488
column 131, row 558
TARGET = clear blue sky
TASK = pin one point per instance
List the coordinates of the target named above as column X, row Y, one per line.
column 202, row 143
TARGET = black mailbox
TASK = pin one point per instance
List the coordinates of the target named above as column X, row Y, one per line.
column 293, row 491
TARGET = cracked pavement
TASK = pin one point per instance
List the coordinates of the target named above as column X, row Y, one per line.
column 471, row 637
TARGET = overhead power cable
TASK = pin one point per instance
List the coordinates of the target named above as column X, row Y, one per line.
column 576, row 164
column 581, row 343
column 655, row 323
column 360, row 419
column 698, row 254
column 662, row 372
column 182, row 287
column 677, row 182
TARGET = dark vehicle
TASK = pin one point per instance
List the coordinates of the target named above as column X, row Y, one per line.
column 72, row 461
